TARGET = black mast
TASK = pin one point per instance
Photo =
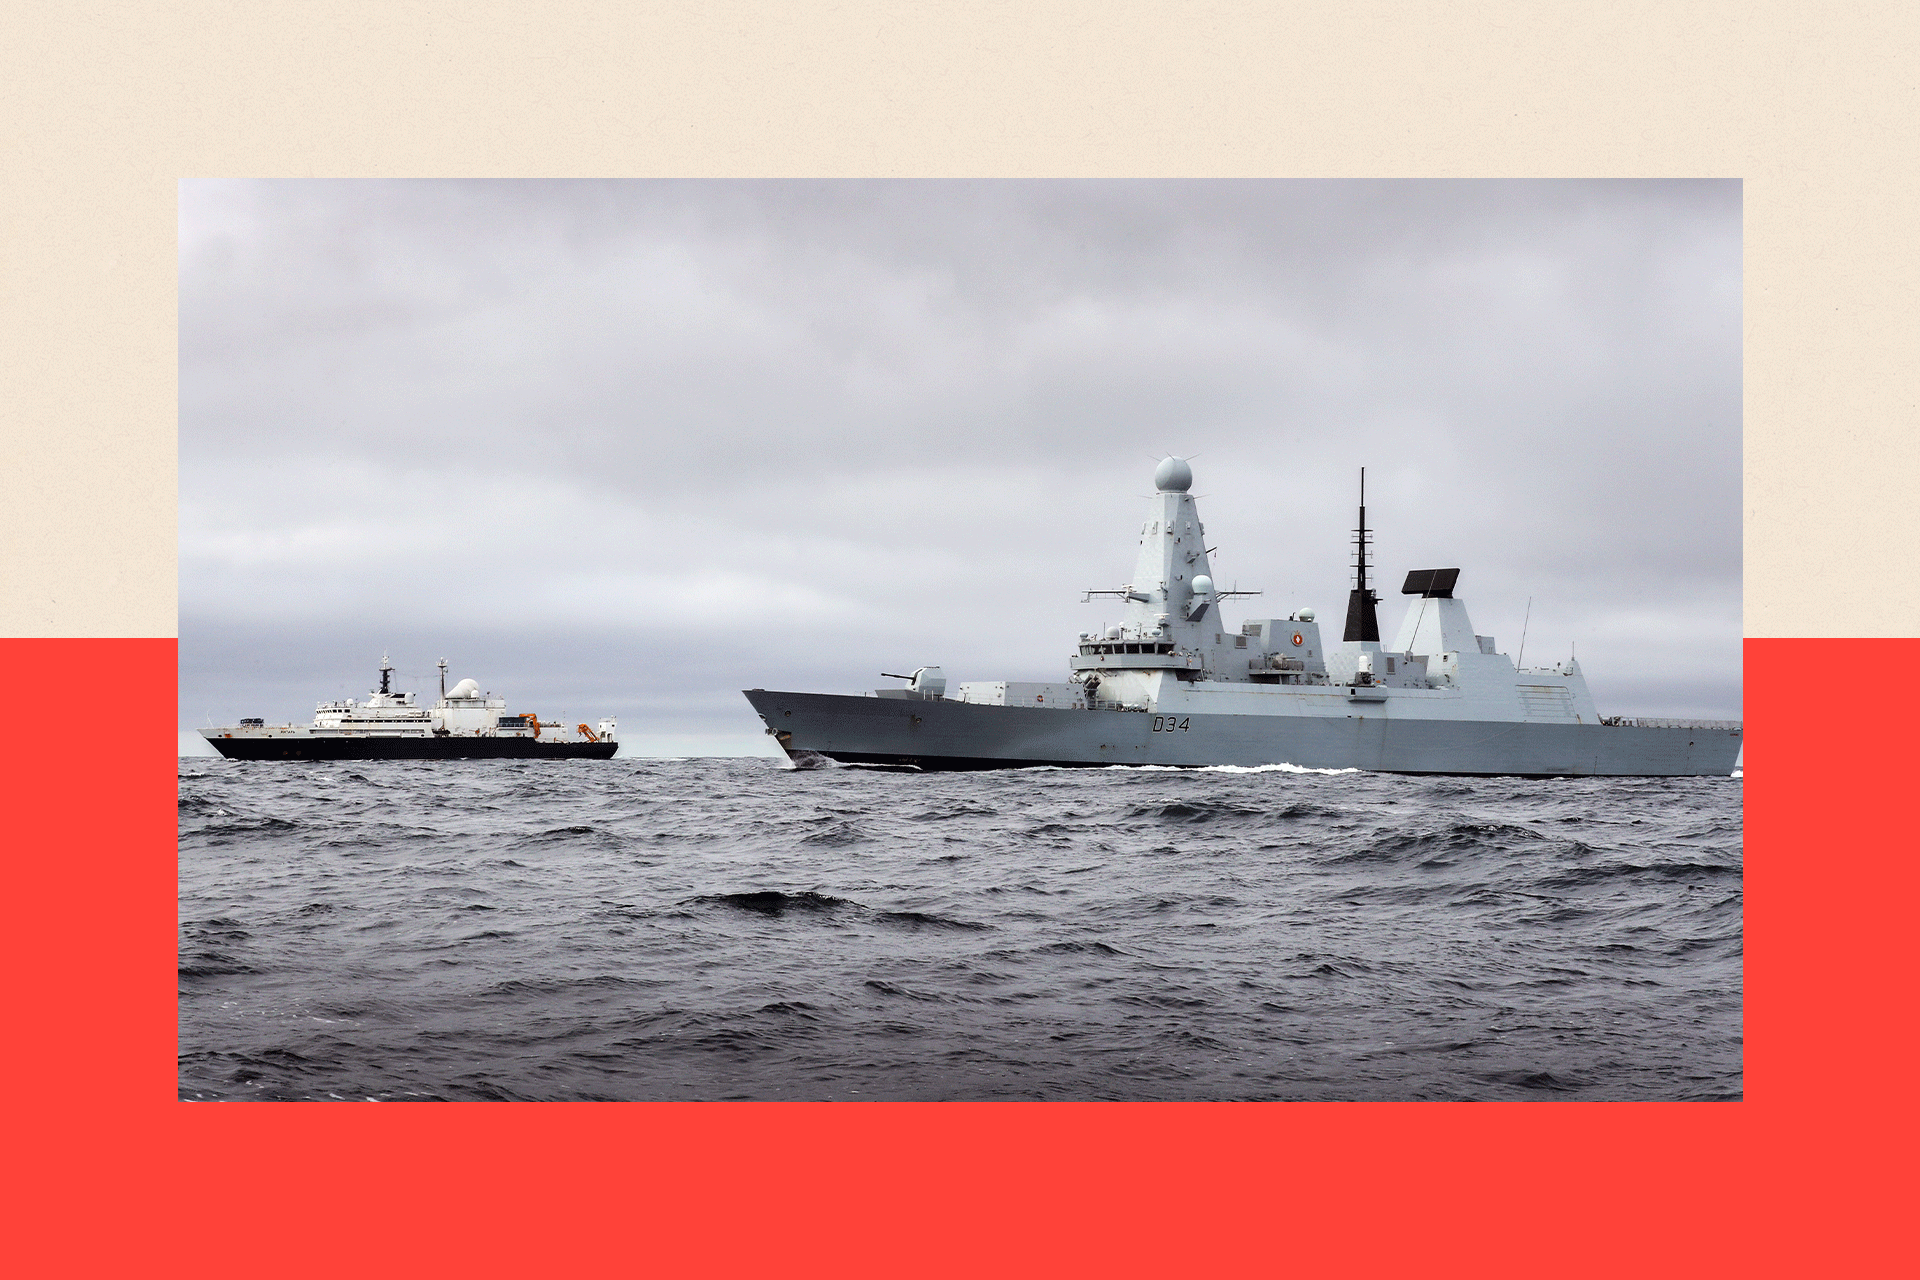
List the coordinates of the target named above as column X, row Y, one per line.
column 1362, row 622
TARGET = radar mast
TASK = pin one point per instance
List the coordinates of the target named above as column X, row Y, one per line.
column 1363, row 622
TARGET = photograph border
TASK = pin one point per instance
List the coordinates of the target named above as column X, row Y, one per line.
column 1807, row 1173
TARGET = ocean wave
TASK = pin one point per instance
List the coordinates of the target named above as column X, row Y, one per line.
column 927, row 920
column 773, row 902
column 1688, row 872
column 1194, row 811
column 838, row 833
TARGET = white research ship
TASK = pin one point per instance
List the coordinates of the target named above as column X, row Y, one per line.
column 1171, row 684
column 465, row 724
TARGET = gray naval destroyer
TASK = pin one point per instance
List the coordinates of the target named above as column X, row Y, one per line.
column 465, row 724
column 1172, row 684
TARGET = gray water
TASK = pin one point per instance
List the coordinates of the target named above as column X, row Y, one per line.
column 646, row 929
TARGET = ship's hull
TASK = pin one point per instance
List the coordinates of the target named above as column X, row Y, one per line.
column 321, row 747
column 935, row 734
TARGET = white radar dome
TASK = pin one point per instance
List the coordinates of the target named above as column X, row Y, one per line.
column 1306, row 615
column 465, row 689
column 1173, row 475
column 1202, row 585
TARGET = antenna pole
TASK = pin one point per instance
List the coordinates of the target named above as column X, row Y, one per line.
column 1363, row 620
column 1523, row 633
column 1362, row 583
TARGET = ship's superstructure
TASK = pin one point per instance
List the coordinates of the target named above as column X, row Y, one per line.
column 389, row 725
column 1439, row 699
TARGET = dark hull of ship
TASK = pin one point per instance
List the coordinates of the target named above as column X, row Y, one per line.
column 942, row 735
column 448, row 748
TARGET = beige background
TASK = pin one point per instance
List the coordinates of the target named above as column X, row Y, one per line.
column 106, row 107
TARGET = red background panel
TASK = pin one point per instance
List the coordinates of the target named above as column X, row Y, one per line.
column 113, row 1176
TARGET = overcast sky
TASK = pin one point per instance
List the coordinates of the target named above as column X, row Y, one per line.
column 628, row 448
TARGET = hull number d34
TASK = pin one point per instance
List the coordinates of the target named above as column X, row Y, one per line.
column 1167, row 724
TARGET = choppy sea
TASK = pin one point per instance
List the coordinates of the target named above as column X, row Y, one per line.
column 714, row 929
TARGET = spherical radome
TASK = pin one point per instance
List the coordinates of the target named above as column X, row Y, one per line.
column 1202, row 585
column 1173, row 476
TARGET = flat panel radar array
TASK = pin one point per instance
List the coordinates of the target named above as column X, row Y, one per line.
column 1434, row 584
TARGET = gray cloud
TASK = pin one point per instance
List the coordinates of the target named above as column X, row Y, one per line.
column 639, row 445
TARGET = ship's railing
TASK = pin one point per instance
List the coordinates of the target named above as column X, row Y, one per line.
column 1649, row 722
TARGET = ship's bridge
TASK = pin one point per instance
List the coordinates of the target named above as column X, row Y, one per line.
column 1134, row 655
